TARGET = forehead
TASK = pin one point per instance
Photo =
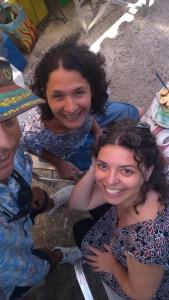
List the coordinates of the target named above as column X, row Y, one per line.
column 117, row 155
column 63, row 77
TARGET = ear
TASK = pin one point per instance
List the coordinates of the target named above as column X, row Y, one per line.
column 148, row 173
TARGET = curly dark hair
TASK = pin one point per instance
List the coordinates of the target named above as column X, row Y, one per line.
column 73, row 55
column 137, row 137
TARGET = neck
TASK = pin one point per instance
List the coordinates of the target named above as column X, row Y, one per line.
column 128, row 204
column 54, row 125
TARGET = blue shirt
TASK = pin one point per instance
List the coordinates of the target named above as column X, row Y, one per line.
column 38, row 138
column 18, row 267
column 74, row 145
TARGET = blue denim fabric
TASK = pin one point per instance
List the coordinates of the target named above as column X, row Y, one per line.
column 114, row 111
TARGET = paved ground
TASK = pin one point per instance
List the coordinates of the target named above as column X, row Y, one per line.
column 140, row 48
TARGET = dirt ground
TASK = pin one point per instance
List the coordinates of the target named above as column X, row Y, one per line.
column 132, row 57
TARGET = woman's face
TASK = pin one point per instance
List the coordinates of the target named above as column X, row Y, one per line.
column 69, row 97
column 117, row 175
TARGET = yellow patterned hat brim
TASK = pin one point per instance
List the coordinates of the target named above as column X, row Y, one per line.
column 15, row 100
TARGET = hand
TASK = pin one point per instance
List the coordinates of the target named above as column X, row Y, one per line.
column 98, row 133
column 40, row 200
column 68, row 171
column 101, row 260
column 96, row 129
column 54, row 256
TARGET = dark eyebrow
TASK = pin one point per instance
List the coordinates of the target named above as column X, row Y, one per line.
column 75, row 90
column 128, row 166
column 99, row 160
column 79, row 88
column 122, row 166
column 57, row 92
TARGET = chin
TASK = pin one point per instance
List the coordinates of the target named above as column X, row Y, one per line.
column 75, row 125
column 5, row 173
column 113, row 200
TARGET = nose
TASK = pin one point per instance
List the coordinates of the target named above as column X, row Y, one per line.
column 112, row 177
column 70, row 105
column 6, row 140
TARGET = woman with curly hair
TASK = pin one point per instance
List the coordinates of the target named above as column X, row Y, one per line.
column 128, row 245
column 72, row 80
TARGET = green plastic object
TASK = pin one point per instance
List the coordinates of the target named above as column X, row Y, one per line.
column 63, row 2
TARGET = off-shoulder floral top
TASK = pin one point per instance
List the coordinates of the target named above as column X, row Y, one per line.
column 147, row 242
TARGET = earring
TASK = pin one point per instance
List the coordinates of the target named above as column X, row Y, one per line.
column 146, row 178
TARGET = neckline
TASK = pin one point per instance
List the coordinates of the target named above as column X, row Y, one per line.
column 68, row 132
column 159, row 213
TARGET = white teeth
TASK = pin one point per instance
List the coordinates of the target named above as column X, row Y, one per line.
column 72, row 117
column 113, row 191
column 3, row 157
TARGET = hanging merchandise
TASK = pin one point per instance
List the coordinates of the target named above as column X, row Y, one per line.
column 35, row 9
column 18, row 27
column 12, row 53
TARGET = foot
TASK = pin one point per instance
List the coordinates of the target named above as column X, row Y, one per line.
column 61, row 197
column 70, row 254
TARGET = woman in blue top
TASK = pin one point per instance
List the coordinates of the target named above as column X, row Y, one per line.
column 72, row 80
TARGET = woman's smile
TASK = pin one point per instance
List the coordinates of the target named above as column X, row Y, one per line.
column 69, row 98
column 117, row 175
column 73, row 116
column 113, row 191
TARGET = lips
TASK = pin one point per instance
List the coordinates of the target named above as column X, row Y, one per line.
column 6, row 159
column 113, row 191
column 72, row 117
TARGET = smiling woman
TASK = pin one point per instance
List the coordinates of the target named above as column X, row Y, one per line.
column 69, row 98
column 128, row 245
column 72, row 80
column 117, row 175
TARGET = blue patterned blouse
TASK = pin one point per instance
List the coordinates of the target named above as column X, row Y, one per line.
column 37, row 137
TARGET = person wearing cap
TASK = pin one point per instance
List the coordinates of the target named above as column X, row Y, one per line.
column 21, row 265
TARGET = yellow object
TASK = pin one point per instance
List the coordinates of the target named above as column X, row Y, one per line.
column 35, row 9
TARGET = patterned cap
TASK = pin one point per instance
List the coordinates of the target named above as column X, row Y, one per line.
column 14, row 100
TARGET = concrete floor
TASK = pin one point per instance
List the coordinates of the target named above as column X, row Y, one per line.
column 139, row 48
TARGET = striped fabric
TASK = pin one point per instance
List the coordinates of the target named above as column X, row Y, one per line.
column 14, row 100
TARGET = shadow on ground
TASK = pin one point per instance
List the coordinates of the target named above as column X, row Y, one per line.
column 61, row 284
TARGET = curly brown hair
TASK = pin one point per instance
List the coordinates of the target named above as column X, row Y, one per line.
column 137, row 137
column 74, row 56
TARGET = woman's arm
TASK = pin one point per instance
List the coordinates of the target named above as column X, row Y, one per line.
column 65, row 168
column 140, row 281
column 86, row 195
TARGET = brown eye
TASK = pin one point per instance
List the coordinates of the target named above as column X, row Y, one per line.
column 101, row 165
column 127, row 172
column 58, row 97
column 79, row 93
